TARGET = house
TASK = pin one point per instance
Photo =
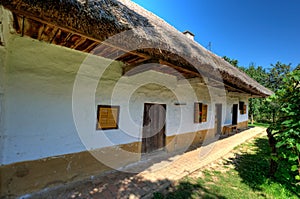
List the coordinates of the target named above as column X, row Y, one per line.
column 87, row 86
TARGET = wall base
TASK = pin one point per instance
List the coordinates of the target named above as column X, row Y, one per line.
column 27, row 177
column 243, row 125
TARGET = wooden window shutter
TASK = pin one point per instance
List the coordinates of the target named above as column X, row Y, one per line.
column 204, row 112
column 200, row 112
column 108, row 117
column 245, row 109
column 241, row 107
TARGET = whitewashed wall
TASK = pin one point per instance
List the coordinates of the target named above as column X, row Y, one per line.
column 2, row 61
column 38, row 100
column 5, row 29
column 235, row 100
column 39, row 104
column 244, row 117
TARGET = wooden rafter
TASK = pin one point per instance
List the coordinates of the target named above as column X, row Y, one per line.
column 128, row 70
column 62, row 30
column 180, row 69
column 45, row 31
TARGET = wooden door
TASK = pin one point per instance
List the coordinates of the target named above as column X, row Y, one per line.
column 154, row 126
column 235, row 114
column 218, row 118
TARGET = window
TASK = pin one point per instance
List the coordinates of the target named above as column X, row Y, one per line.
column 242, row 108
column 107, row 117
column 200, row 112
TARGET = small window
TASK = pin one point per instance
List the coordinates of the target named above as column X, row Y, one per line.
column 242, row 108
column 200, row 112
column 107, row 117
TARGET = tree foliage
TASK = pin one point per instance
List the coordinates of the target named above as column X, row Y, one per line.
column 260, row 109
column 286, row 130
column 233, row 62
column 276, row 75
column 256, row 104
column 282, row 111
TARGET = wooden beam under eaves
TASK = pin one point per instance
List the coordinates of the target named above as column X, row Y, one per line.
column 139, row 67
column 160, row 66
column 180, row 69
column 40, row 29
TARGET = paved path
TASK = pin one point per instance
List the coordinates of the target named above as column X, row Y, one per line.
column 158, row 175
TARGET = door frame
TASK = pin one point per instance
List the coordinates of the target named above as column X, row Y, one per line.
column 161, row 135
column 235, row 111
column 218, row 118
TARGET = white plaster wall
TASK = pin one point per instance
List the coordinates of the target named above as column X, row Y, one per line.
column 39, row 116
column 243, row 117
column 205, row 95
column 235, row 100
column 229, row 106
column 131, row 93
column 2, row 61
column 39, row 101
column 5, row 29
column 1, row 127
column 216, row 96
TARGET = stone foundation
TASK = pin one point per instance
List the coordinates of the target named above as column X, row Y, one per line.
column 243, row 125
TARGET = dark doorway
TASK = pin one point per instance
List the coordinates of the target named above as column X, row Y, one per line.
column 218, row 118
column 154, row 126
column 235, row 114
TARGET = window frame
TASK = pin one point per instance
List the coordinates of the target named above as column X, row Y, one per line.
column 242, row 107
column 200, row 112
column 116, row 119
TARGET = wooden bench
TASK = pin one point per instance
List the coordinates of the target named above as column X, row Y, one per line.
column 230, row 128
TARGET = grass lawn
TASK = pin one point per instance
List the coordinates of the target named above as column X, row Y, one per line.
column 259, row 124
column 241, row 174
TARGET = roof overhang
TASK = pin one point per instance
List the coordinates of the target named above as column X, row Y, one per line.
column 88, row 27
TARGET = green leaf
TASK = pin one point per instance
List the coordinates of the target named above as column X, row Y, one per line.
column 287, row 122
column 293, row 157
column 279, row 144
column 297, row 177
column 298, row 146
column 275, row 158
column 294, row 168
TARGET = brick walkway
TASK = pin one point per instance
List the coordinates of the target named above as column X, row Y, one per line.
column 159, row 173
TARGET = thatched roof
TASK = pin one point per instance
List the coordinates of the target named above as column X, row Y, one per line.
column 97, row 20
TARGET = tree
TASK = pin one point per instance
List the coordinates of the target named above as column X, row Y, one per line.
column 285, row 132
column 276, row 75
column 260, row 75
column 257, row 73
column 282, row 109
column 233, row 62
column 275, row 80
column 260, row 109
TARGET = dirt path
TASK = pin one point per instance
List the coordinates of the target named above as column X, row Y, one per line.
column 157, row 174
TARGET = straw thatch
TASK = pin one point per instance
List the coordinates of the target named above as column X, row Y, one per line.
column 101, row 19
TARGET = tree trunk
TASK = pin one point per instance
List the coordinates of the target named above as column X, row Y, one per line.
column 252, row 120
column 273, row 114
column 273, row 163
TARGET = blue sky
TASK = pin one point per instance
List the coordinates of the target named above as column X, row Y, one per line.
column 252, row 31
